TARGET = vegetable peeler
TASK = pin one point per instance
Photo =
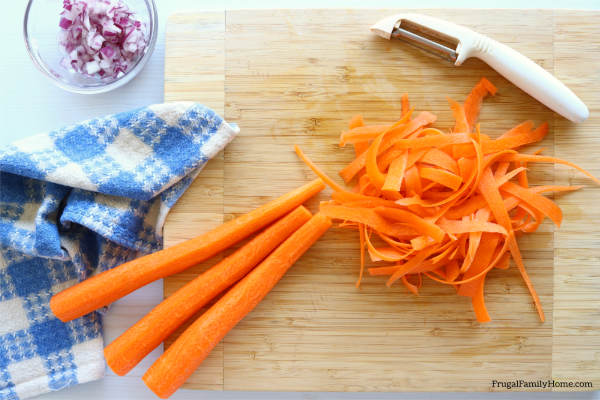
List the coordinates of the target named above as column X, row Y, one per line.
column 457, row 43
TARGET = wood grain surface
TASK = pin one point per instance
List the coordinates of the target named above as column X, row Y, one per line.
column 296, row 77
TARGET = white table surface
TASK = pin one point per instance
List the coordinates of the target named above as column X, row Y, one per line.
column 30, row 104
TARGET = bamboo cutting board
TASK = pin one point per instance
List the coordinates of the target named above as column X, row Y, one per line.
column 296, row 77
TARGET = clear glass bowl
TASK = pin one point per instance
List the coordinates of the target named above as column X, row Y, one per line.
column 41, row 30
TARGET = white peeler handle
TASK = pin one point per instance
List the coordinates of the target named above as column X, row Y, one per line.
column 524, row 73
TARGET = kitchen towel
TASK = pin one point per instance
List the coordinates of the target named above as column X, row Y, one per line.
column 80, row 200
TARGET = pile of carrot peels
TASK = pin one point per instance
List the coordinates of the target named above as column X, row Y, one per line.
column 447, row 205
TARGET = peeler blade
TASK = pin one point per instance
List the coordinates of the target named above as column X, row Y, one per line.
column 423, row 37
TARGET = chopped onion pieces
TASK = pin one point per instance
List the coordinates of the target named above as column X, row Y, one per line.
column 100, row 38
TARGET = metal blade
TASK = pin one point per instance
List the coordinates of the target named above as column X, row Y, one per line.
column 425, row 44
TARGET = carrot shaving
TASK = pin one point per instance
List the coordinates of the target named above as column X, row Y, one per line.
column 458, row 112
column 548, row 159
column 441, row 176
column 375, row 175
column 440, row 159
column 405, row 104
column 540, row 203
column 474, row 99
column 384, row 253
column 452, row 270
column 523, row 127
column 514, row 141
column 478, row 302
column 413, row 288
column 453, row 226
column 446, row 205
column 416, row 222
column 359, row 162
column 382, row 271
column 420, row 242
column 362, row 234
column 395, row 175
column 328, row 181
column 367, row 217
column 355, row 122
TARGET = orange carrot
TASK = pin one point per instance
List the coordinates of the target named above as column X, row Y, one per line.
column 111, row 285
column 180, row 360
column 134, row 344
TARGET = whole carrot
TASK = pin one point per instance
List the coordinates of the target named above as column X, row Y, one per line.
column 134, row 344
column 111, row 285
column 180, row 360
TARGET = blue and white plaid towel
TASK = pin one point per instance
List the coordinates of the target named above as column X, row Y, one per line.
column 76, row 201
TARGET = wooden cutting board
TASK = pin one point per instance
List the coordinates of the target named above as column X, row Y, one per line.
column 296, row 77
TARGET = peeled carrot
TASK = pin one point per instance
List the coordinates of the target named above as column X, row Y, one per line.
column 180, row 360
column 138, row 341
column 447, row 205
column 103, row 289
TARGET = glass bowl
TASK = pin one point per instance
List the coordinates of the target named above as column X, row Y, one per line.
column 41, row 31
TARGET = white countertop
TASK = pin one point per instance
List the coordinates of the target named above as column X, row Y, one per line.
column 30, row 104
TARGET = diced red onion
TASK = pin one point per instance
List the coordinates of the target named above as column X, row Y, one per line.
column 100, row 38
column 65, row 23
column 107, row 51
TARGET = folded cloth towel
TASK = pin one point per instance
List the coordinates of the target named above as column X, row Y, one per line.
column 80, row 200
